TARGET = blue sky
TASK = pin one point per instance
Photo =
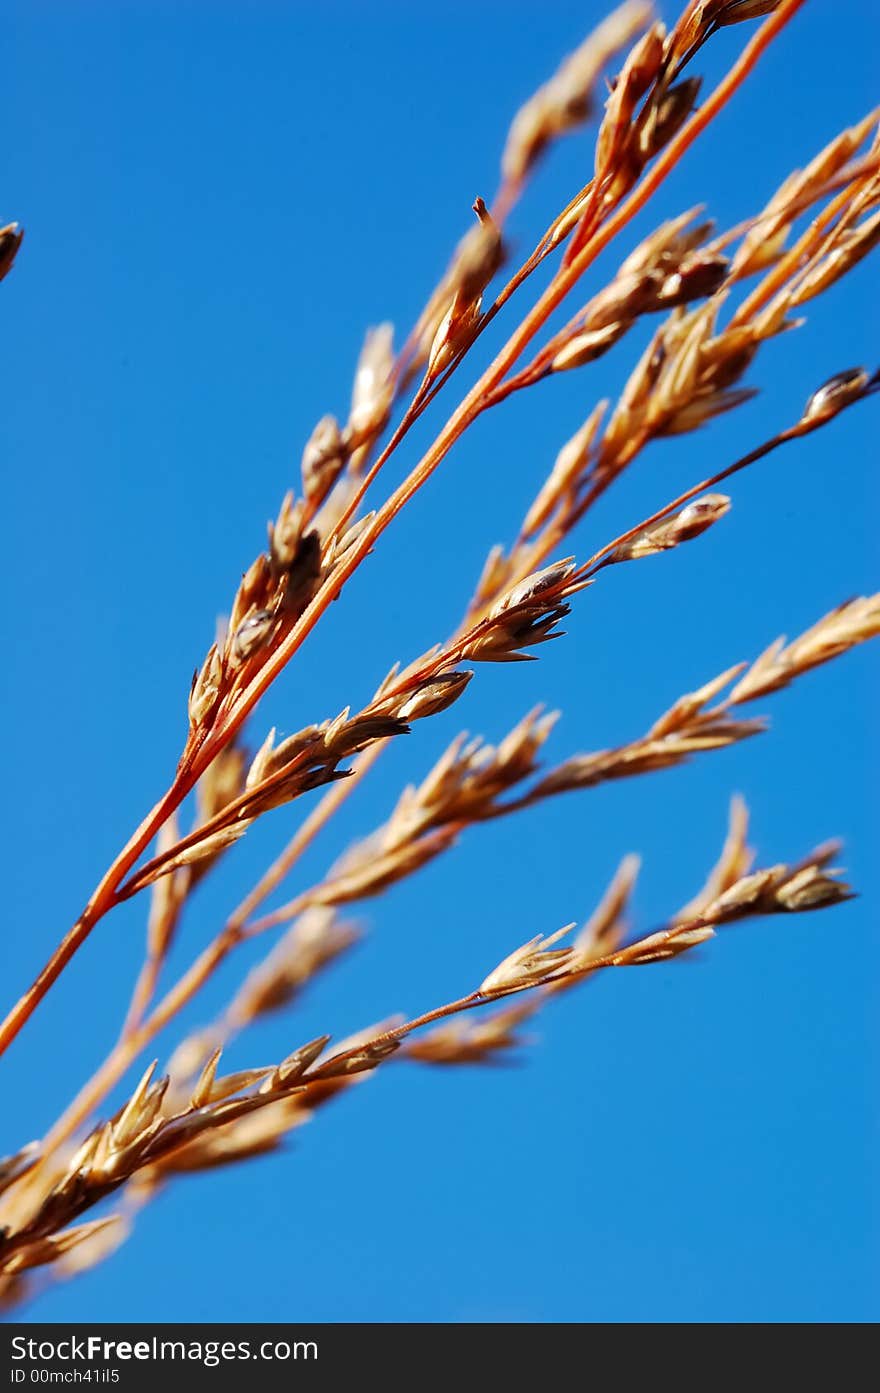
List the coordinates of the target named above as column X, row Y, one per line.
column 218, row 199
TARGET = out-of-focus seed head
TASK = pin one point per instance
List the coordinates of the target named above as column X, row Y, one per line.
column 10, row 240
column 587, row 346
column 11, row 1167
column 567, row 100
column 222, row 781
column 570, row 464
column 701, row 275
column 373, row 385
column 323, row 460
column 812, row 888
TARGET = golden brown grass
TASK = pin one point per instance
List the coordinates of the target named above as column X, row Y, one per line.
column 717, row 298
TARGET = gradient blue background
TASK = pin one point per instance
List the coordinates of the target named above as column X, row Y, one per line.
column 218, row 199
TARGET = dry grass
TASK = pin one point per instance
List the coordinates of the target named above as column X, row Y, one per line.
column 717, row 298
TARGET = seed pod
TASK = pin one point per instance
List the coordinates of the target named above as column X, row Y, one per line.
column 252, row 633
column 536, row 586
column 839, row 391
column 291, row 1068
column 629, row 294
column 285, row 532
column 853, row 247
column 588, row 346
column 735, row 11
column 639, row 71
column 454, row 333
column 811, row 888
column 665, row 118
column 699, row 276
column 479, row 257
column 668, row 943
column 702, row 408
column 348, row 538
column 358, row 1061
column 504, row 636
column 529, row 964
column 434, row 695
column 303, row 572
column 697, row 516
column 346, row 737
column 683, row 526
column 254, row 592
column 205, row 687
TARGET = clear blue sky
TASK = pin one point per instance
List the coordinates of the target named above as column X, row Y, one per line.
column 218, row 199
